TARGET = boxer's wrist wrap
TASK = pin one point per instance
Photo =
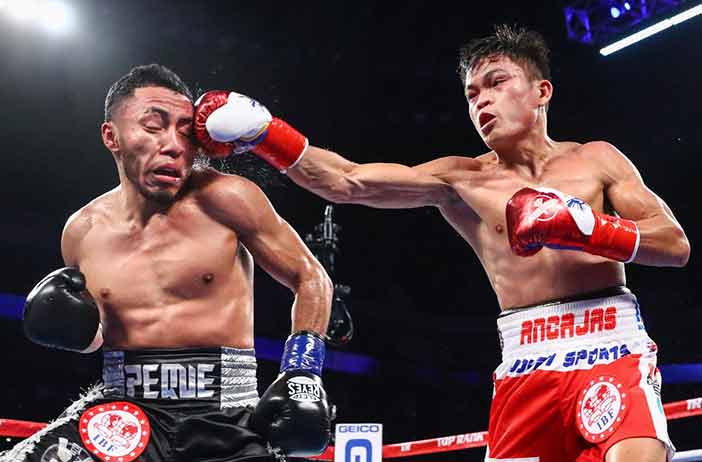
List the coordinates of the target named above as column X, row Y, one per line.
column 614, row 238
column 303, row 350
column 281, row 146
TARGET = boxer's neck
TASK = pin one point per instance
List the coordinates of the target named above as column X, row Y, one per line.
column 528, row 155
column 138, row 208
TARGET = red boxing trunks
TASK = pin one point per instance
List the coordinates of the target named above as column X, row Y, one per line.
column 576, row 377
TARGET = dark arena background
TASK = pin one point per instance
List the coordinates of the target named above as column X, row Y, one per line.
column 376, row 81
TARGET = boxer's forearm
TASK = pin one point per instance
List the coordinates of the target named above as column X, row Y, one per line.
column 323, row 172
column 312, row 306
column 381, row 185
column 662, row 242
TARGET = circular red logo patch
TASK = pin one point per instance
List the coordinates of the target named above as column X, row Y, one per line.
column 115, row 432
column 601, row 408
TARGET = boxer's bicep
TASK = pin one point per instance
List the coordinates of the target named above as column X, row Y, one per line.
column 273, row 243
column 625, row 189
column 662, row 241
column 279, row 251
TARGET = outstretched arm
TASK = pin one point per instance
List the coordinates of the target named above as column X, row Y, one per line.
column 381, row 185
column 228, row 121
column 662, row 239
column 275, row 246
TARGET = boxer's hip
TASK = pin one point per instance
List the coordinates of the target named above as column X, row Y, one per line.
column 574, row 334
column 215, row 378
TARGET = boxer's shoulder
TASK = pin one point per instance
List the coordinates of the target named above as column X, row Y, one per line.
column 608, row 160
column 597, row 150
column 453, row 169
column 228, row 198
column 79, row 224
column 210, row 185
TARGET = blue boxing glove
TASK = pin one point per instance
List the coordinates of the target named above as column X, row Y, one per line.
column 293, row 414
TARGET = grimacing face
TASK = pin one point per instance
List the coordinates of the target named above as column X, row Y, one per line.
column 152, row 131
column 503, row 101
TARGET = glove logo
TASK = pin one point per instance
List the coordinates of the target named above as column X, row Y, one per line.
column 544, row 208
column 304, row 389
column 582, row 214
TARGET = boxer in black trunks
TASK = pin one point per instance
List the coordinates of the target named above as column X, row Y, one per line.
column 159, row 272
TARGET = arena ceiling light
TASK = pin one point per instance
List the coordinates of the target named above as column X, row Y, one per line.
column 55, row 16
column 649, row 31
column 20, row 10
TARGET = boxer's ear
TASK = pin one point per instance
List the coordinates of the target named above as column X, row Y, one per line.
column 545, row 92
column 109, row 136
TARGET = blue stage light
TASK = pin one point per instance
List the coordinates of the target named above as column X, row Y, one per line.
column 615, row 12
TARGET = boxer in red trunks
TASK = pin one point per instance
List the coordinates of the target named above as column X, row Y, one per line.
column 553, row 223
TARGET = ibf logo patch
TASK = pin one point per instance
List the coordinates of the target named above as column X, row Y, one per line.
column 601, row 408
column 115, row 432
column 358, row 443
column 304, row 389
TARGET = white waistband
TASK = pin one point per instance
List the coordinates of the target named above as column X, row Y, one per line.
column 550, row 328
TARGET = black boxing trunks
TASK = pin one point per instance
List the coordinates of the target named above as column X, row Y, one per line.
column 174, row 405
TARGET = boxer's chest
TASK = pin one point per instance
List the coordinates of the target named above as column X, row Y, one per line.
column 165, row 262
column 486, row 195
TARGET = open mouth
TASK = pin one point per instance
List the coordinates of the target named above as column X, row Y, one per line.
column 166, row 174
column 484, row 119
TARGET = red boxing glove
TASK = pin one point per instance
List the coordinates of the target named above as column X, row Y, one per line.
column 228, row 122
column 546, row 217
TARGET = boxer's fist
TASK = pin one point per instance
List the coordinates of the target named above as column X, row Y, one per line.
column 228, row 122
column 293, row 415
column 60, row 313
column 546, row 217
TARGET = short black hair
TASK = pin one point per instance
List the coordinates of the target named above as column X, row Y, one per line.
column 149, row 75
column 525, row 47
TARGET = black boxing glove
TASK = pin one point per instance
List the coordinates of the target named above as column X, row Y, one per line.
column 60, row 313
column 293, row 414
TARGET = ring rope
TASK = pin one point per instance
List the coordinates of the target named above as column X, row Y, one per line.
column 674, row 410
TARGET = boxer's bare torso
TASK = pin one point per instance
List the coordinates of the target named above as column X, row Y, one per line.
column 181, row 278
column 477, row 213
